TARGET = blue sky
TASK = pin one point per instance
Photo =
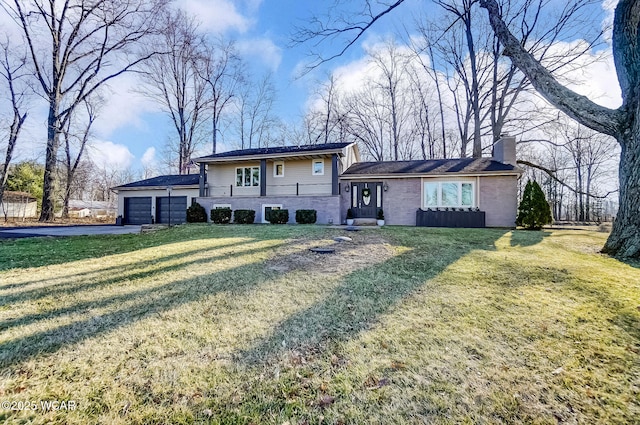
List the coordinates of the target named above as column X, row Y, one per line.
column 131, row 130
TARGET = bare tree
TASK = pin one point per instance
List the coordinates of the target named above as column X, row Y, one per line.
column 76, row 47
column 174, row 81
column 13, row 72
column 254, row 113
column 221, row 69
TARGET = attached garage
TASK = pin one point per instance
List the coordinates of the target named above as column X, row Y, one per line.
column 137, row 210
column 147, row 201
column 176, row 204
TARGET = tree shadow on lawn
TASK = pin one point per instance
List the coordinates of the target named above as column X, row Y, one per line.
column 124, row 309
column 37, row 252
column 119, row 269
column 528, row 237
column 127, row 308
column 69, row 288
column 349, row 309
column 365, row 294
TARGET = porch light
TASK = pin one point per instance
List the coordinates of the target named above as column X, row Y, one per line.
column 346, row 187
column 385, row 187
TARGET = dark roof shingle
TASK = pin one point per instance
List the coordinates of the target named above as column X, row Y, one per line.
column 430, row 166
column 277, row 150
column 163, row 181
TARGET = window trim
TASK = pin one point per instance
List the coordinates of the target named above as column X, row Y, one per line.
column 275, row 169
column 252, row 183
column 439, row 184
column 264, row 207
column 313, row 167
column 220, row 206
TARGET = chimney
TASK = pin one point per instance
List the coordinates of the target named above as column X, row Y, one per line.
column 504, row 150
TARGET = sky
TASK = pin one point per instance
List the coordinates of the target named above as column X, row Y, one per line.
column 131, row 131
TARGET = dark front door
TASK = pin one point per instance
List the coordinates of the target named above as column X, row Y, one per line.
column 366, row 199
column 178, row 209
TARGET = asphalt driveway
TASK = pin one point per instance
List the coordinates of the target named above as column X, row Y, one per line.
column 61, row 231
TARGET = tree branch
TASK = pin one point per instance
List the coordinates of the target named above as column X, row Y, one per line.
column 551, row 173
column 580, row 108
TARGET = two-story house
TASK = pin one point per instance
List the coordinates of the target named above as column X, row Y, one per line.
column 289, row 177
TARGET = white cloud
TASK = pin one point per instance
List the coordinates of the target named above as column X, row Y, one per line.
column 263, row 49
column 123, row 106
column 218, row 15
column 149, row 157
column 109, row 155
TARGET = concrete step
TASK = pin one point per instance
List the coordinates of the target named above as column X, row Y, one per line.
column 365, row 222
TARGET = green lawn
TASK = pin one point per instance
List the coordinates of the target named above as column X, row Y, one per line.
column 242, row 324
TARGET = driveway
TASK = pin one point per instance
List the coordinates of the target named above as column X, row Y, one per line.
column 59, row 231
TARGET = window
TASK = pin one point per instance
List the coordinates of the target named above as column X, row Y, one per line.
column 221, row 206
column 267, row 208
column 248, row 176
column 278, row 169
column 318, row 167
column 448, row 194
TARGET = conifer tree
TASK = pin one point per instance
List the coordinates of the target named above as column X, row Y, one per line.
column 534, row 210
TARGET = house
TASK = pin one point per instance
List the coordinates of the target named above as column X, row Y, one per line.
column 95, row 209
column 438, row 192
column 289, row 177
column 150, row 200
column 18, row 205
column 331, row 179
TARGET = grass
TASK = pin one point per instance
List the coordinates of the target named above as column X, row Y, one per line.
column 242, row 325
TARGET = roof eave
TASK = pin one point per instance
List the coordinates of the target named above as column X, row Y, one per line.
column 419, row 175
column 339, row 151
column 163, row 187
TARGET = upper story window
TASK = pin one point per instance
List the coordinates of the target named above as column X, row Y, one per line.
column 248, row 176
column 278, row 169
column 318, row 167
column 448, row 194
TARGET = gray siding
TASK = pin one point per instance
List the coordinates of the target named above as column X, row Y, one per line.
column 499, row 199
column 328, row 207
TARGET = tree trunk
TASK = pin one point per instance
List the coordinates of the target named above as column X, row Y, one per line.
column 48, row 188
column 624, row 240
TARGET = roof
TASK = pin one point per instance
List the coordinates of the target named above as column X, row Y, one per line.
column 432, row 167
column 163, row 182
column 11, row 196
column 275, row 152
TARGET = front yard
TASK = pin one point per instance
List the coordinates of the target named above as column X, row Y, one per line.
column 215, row 324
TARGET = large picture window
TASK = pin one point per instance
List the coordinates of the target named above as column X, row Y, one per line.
column 448, row 194
column 248, row 176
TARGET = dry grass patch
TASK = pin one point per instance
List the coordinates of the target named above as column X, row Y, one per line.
column 242, row 324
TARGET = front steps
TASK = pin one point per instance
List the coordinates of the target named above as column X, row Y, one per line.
column 365, row 222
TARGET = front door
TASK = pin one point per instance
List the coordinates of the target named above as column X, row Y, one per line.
column 366, row 199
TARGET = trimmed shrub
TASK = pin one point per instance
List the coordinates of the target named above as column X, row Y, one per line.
column 534, row 210
column 221, row 215
column 196, row 214
column 244, row 216
column 380, row 214
column 306, row 216
column 278, row 216
column 349, row 214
